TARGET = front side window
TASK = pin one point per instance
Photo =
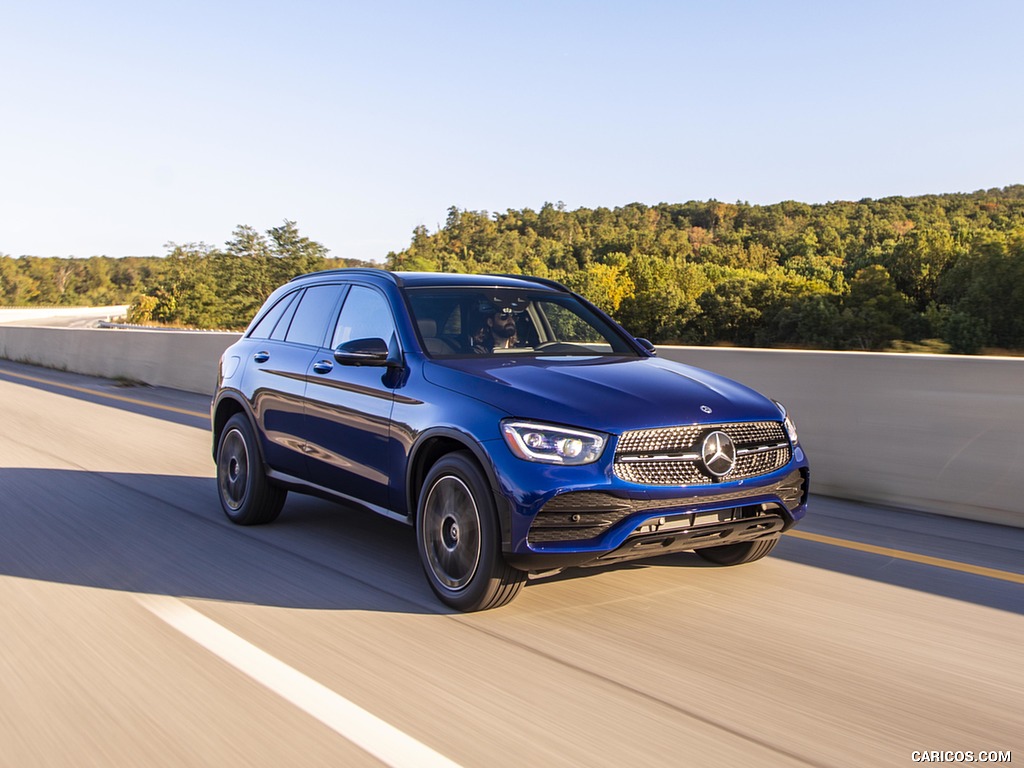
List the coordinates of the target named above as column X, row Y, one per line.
column 365, row 315
column 464, row 321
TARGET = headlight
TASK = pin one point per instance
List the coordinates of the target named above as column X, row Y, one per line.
column 550, row 444
column 787, row 422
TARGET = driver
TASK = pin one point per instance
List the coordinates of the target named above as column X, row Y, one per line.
column 503, row 329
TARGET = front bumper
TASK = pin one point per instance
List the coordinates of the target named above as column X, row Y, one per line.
column 576, row 516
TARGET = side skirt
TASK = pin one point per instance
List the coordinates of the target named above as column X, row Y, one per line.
column 299, row 485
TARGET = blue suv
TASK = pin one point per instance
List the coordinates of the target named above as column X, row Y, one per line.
column 517, row 427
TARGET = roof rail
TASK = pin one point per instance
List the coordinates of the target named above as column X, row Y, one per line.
column 353, row 271
column 529, row 278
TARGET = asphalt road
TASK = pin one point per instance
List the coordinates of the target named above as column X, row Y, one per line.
column 139, row 627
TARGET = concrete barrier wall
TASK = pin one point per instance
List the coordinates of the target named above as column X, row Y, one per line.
column 934, row 433
column 184, row 360
column 937, row 433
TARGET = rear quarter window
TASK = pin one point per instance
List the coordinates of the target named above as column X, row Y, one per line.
column 265, row 327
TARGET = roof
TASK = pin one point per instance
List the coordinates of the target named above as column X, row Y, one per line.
column 435, row 279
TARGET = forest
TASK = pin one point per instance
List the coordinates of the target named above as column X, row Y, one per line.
column 933, row 273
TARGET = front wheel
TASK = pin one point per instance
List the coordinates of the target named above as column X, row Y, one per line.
column 246, row 495
column 737, row 554
column 459, row 538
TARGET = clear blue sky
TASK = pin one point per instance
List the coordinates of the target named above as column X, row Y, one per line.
column 125, row 125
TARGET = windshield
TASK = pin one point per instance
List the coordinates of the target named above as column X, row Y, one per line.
column 464, row 321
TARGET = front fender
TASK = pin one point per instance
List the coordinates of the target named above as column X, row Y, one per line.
column 434, row 443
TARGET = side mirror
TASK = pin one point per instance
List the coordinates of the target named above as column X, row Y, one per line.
column 362, row 352
column 649, row 346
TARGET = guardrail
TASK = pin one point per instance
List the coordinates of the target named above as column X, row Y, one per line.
column 936, row 433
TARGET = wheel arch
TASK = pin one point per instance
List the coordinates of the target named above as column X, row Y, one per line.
column 434, row 444
column 228, row 404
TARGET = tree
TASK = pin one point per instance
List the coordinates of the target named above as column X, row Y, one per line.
column 988, row 284
column 246, row 275
column 917, row 263
column 664, row 298
column 15, row 287
column 700, row 271
column 606, row 285
column 296, row 254
column 875, row 311
column 188, row 295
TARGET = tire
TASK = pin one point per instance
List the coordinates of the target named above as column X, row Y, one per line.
column 737, row 554
column 459, row 538
column 246, row 495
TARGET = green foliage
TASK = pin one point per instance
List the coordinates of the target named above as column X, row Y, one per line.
column 194, row 285
column 664, row 298
column 606, row 285
column 985, row 288
column 924, row 347
column 141, row 312
column 875, row 311
column 872, row 274
column 919, row 273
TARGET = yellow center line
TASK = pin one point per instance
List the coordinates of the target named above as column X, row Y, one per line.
column 952, row 565
column 913, row 557
column 109, row 396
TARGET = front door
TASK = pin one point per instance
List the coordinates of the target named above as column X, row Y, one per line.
column 348, row 408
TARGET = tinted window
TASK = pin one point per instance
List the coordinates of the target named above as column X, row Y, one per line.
column 316, row 309
column 567, row 324
column 286, row 320
column 498, row 321
column 266, row 324
column 366, row 315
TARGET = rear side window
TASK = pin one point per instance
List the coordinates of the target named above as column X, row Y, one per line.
column 266, row 325
column 315, row 311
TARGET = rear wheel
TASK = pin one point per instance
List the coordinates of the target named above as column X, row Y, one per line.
column 737, row 554
column 459, row 538
column 246, row 495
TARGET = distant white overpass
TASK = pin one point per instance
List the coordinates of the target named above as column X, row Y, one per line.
column 937, row 433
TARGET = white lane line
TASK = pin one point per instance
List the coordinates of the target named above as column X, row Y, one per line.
column 385, row 742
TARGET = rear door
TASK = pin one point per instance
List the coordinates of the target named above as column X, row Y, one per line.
column 280, row 353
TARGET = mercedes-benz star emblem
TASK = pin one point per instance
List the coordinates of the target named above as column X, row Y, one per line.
column 718, row 453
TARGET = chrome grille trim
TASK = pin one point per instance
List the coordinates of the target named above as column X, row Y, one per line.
column 661, row 457
column 667, row 456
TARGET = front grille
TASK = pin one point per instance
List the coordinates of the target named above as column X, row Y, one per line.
column 667, row 440
column 671, row 455
column 661, row 473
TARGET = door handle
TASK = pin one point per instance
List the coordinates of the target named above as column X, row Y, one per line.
column 324, row 366
column 261, row 357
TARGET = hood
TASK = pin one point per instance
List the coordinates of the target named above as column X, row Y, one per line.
column 609, row 394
